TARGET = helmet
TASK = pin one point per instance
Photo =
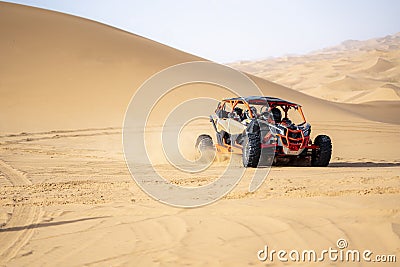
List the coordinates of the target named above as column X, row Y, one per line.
column 238, row 111
column 276, row 114
column 253, row 111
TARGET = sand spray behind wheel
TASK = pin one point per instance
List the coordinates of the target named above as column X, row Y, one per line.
column 161, row 125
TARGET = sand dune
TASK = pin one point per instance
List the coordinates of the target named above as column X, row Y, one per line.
column 351, row 83
column 381, row 93
column 381, row 65
column 63, row 72
column 68, row 199
column 336, row 73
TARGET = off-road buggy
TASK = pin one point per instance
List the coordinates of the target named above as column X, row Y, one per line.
column 259, row 128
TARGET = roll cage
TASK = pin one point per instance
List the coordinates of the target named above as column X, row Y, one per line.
column 247, row 102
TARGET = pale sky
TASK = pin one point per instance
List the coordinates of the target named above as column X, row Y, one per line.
column 226, row 31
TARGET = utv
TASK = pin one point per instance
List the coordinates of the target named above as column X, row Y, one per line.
column 259, row 129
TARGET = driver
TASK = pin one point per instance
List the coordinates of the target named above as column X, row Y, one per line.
column 276, row 116
column 236, row 114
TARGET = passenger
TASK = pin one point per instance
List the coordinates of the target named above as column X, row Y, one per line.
column 239, row 112
column 253, row 112
column 236, row 114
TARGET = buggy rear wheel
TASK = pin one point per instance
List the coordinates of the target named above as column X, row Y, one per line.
column 205, row 147
column 204, row 142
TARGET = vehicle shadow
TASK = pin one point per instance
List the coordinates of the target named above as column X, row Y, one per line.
column 363, row 164
column 337, row 165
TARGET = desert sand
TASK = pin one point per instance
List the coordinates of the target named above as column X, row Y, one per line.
column 68, row 199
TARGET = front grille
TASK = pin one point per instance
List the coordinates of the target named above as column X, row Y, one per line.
column 293, row 140
column 294, row 135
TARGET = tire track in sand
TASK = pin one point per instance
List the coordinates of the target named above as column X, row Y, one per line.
column 11, row 239
column 14, row 176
